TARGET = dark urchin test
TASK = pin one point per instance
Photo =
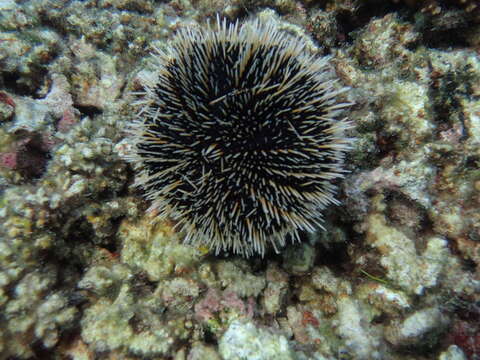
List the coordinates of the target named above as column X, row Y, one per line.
column 239, row 137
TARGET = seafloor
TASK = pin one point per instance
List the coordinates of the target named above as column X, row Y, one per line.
column 85, row 275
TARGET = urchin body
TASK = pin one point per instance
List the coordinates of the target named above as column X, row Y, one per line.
column 239, row 137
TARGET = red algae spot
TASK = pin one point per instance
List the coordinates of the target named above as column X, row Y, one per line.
column 9, row 160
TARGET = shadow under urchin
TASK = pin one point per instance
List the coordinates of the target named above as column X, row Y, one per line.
column 239, row 136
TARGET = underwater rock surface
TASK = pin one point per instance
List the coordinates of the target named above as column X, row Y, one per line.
column 86, row 273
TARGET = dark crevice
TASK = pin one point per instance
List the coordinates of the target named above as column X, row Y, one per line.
column 87, row 110
column 445, row 39
column 209, row 337
column 12, row 82
column 368, row 10
column 333, row 255
column 41, row 353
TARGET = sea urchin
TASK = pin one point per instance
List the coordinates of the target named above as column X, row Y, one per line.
column 239, row 137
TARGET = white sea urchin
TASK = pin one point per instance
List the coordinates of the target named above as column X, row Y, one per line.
column 239, row 136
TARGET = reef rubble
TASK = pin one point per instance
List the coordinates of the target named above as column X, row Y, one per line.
column 85, row 270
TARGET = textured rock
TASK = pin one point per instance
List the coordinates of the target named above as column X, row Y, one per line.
column 246, row 341
column 422, row 328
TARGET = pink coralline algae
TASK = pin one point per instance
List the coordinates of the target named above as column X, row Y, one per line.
column 466, row 336
column 6, row 99
column 214, row 303
column 67, row 121
column 8, row 160
column 29, row 156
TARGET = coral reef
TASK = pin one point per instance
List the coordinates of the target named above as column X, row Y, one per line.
column 87, row 272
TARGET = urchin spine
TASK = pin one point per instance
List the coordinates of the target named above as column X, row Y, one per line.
column 247, row 159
